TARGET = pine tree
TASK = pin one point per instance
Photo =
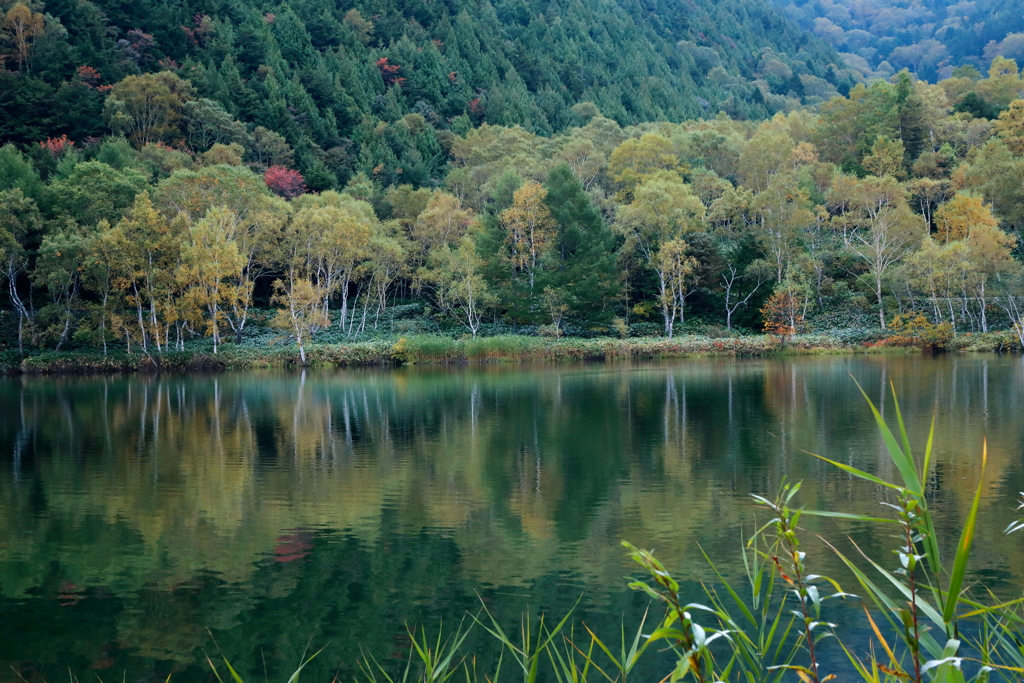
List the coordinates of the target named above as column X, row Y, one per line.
column 582, row 259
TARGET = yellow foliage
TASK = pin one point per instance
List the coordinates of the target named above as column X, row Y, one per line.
column 782, row 314
column 529, row 226
column 915, row 330
column 442, row 222
column 1010, row 127
column 957, row 217
column 886, row 158
column 22, row 26
column 637, row 159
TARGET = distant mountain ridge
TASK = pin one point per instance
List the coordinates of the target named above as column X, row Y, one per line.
column 928, row 37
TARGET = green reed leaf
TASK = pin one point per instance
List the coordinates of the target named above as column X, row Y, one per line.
column 963, row 548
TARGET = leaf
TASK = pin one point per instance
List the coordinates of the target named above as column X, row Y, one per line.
column 732, row 593
column 881, row 639
column 234, row 674
column 295, row 676
column 213, row 668
column 963, row 548
column 850, row 516
column 904, row 463
column 858, row 473
column 922, row 604
column 883, row 602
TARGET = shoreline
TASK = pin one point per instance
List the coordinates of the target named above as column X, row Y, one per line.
column 441, row 350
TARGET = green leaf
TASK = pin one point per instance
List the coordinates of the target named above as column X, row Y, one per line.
column 963, row 548
column 850, row 516
column 858, row 473
column 904, row 463
column 234, row 674
column 732, row 593
column 295, row 676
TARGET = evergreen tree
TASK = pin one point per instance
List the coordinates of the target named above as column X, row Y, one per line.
column 582, row 259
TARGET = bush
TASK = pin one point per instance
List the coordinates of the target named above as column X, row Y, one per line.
column 916, row 330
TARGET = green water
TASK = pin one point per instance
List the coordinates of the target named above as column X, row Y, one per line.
column 138, row 515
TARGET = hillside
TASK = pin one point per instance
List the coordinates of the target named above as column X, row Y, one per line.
column 322, row 74
column 928, row 37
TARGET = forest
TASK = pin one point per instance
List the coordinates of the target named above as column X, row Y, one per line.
column 928, row 37
column 184, row 201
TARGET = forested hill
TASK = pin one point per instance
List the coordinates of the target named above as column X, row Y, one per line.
column 928, row 37
column 323, row 73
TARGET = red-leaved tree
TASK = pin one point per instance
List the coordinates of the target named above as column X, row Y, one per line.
column 284, row 181
column 57, row 146
column 389, row 72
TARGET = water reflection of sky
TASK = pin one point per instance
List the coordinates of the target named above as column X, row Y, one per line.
column 269, row 508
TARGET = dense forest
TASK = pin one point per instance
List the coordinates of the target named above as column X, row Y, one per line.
column 324, row 74
column 928, row 37
column 314, row 168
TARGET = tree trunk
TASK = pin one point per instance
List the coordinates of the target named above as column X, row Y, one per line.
column 142, row 325
column 984, row 318
column 881, row 307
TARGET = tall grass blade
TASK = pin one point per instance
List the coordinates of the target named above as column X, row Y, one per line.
column 927, row 465
column 732, row 593
column 904, row 463
column 922, row 604
column 850, row 516
column 931, row 545
column 212, row 668
column 295, row 676
column 963, row 548
column 903, row 428
column 858, row 473
column 883, row 602
column 234, row 674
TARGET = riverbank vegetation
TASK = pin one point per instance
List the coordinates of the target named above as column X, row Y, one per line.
column 426, row 349
column 898, row 203
column 441, row 350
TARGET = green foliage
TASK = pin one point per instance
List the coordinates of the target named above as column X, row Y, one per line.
column 94, row 191
column 583, row 266
column 311, row 74
column 17, row 172
column 542, row 228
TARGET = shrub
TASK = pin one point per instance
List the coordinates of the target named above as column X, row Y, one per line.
column 916, row 330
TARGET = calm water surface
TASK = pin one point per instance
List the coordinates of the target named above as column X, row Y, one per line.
column 138, row 515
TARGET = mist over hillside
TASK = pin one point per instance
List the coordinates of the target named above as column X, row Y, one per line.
column 928, row 37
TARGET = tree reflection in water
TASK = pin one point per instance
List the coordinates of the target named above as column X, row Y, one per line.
column 271, row 508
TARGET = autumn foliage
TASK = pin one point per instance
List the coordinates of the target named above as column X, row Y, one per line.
column 57, row 146
column 284, row 182
column 389, row 72
column 916, row 330
column 782, row 314
column 90, row 78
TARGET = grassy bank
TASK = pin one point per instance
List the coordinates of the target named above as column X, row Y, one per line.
column 437, row 349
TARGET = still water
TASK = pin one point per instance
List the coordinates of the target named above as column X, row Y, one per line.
column 143, row 517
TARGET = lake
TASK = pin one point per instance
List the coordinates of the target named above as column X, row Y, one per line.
column 143, row 517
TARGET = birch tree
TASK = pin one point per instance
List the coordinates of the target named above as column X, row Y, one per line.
column 663, row 209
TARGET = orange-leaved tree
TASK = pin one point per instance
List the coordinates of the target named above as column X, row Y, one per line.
column 783, row 313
